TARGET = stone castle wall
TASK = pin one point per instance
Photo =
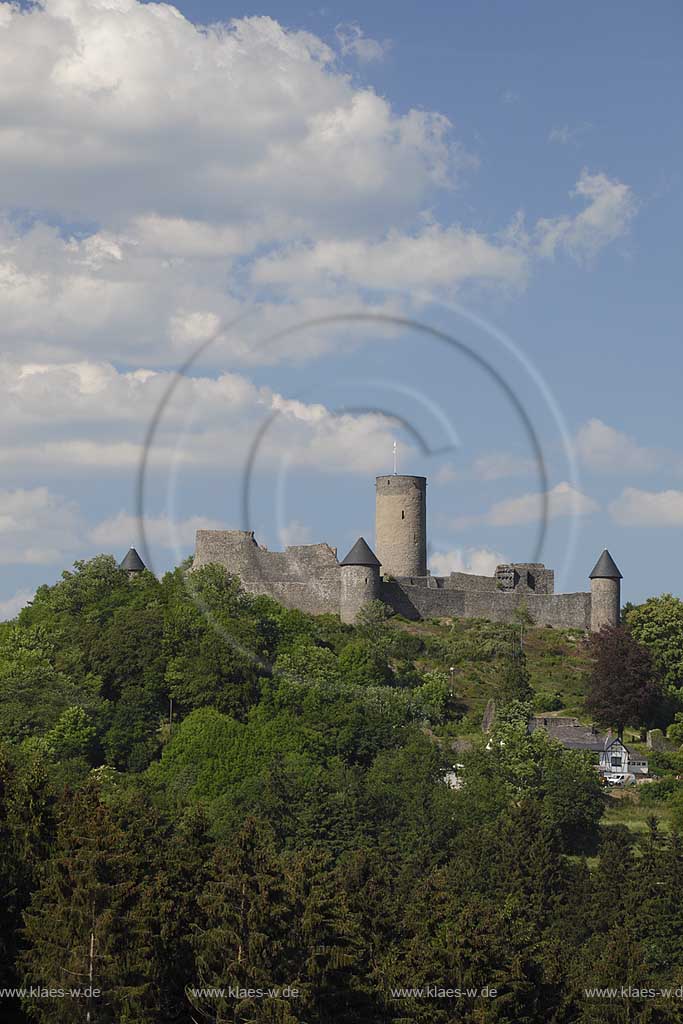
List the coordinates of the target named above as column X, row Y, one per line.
column 563, row 611
column 304, row 576
column 310, row 578
column 415, row 601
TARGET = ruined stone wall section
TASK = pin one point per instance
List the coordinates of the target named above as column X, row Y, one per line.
column 401, row 525
column 534, row 577
column 240, row 554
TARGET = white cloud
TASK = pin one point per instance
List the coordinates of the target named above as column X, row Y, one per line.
column 96, row 416
column 564, row 135
column 11, row 607
column 97, row 96
column 500, row 465
column 62, row 297
column 37, row 527
column 610, row 208
column 435, row 257
column 352, row 40
column 295, row 533
column 445, row 474
column 563, row 500
column 123, row 529
column 480, row 561
column 634, row 507
column 604, row 448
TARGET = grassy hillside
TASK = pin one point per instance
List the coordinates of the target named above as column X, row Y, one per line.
column 556, row 658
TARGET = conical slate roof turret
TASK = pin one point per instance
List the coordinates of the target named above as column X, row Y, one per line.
column 361, row 554
column 132, row 562
column 605, row 568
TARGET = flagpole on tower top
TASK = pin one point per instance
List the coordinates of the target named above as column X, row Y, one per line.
column 395, row 459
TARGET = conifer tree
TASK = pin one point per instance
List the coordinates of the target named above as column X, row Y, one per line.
column 328, row 949
column 81, row 928
column 26, row 829
column 240, row 940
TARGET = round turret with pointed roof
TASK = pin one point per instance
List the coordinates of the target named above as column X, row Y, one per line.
column 132, row 562
column 361, row 554
column 605, row 568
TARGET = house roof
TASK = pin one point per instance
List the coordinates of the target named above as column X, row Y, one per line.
column 570, row 733
column 132, row 562
column 361, row 554
column 605, row 568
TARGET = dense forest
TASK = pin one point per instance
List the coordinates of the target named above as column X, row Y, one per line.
column 216, row 809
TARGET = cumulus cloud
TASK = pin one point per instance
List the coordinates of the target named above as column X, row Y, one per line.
column 435, row 257
column 295, row 533
column 123, row 529
column 353, row 41
column 223, row 167
column 610, row 207
column 480, row 561
column 37, row 527
column 97, row 94
column 209, row 421
column 500, row 465
column 604, row 448
column 563, row 501
column 634, row 507
column 13, row 605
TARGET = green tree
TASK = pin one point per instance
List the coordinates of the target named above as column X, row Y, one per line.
column 83, row 926
column 514, row 681
column 658, row 625
column 26, row 832
column 623, row 687
column 327, row 947
column 362, row 663
column 244, row 929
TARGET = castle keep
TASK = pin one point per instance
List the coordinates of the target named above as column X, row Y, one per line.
column 310, row 577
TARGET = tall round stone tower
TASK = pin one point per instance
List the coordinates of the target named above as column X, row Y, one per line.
column 605, row 593
column 401, row 525
column 360, row 580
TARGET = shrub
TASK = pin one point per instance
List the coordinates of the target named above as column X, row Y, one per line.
column 659, row 792
column 544, row 701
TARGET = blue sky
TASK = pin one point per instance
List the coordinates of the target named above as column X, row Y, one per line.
column 508, row 174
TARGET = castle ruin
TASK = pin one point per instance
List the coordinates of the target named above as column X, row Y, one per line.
column 310, row 577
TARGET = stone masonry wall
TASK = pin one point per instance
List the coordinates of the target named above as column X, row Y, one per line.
column 239, row 552
column 563, row 611
column 309, row 577
column 316, row 596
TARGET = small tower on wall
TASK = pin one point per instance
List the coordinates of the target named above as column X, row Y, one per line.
column 360, row 580
column 132, row 564
column 605, row 593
